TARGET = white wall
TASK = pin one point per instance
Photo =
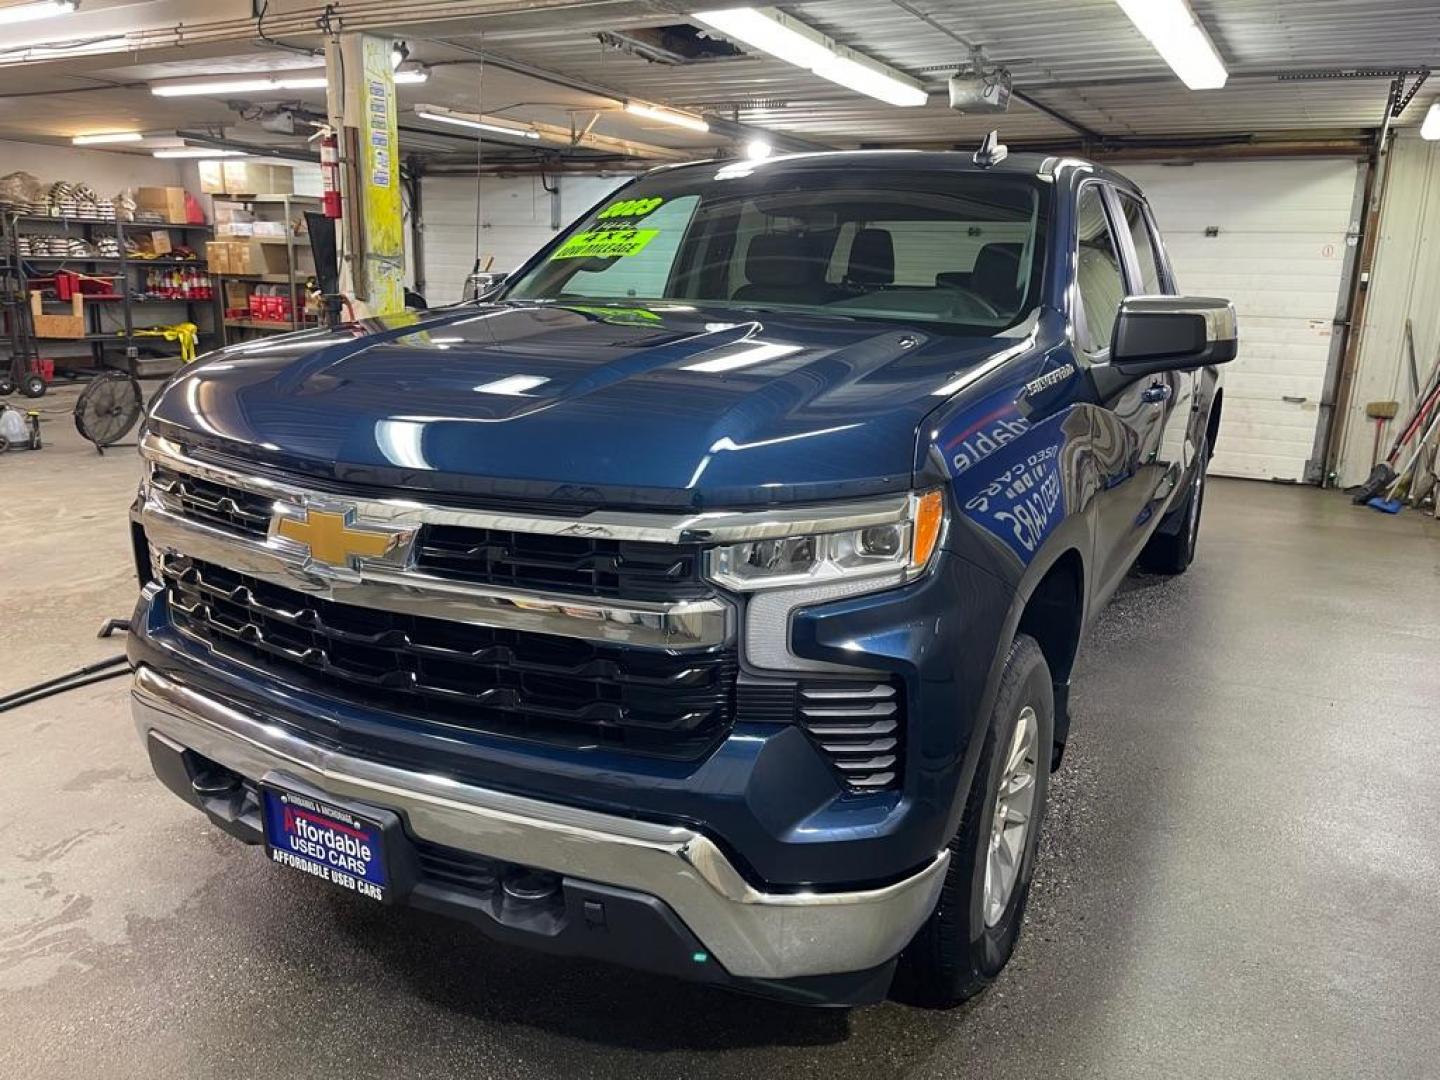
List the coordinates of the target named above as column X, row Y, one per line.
column 105, row 171
column 1404, row 283
column 515, row 222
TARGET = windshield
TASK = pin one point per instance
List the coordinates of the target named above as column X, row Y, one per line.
column 952, row 248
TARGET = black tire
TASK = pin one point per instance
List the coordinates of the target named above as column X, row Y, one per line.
column 7, row 386
column 33, row 386
column 4, row 444
column 1171, row 549
column 956, row 954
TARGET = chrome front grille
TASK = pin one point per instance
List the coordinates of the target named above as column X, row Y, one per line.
column 555, row 689
column 859, row 727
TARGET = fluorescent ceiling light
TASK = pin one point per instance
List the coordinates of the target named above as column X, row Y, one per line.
column 238, row 84
column 758, row 149
column 471, row 120
column 198, row 152
column 512, row 385
column 788, row 39
column 30, row 12
column 309, row 78
column 668, row 116
column 1430, row 128
column 112, row 137
column 1181, row 41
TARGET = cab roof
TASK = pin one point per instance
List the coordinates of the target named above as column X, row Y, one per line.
column 1026, row 164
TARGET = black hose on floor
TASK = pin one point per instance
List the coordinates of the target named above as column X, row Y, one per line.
column 112, row 668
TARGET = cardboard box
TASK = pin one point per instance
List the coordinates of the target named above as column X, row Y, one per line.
column 160, row 242
column 227, row 211
column 237, row 295
column 212, row 178
column 247, row 178
column 71, row 326
column 217, row 257
column 235, row 228
column 168, row 202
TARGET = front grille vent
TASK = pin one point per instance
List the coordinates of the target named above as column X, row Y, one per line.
column 859, row 728
column 582, row 566
column 534, row 686
column 230, row 508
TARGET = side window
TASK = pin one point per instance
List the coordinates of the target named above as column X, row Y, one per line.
column 1099, row 281
column 1147, row 255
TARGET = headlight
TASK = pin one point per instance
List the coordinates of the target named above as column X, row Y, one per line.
column 904, row 546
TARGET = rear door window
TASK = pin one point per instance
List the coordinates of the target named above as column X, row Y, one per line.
column 1148, row 259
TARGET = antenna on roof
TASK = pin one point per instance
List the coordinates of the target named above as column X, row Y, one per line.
column 992, row 151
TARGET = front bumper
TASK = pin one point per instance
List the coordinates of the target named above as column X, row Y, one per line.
column 754, row 935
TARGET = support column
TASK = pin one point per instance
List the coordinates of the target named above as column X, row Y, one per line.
column 361, row 103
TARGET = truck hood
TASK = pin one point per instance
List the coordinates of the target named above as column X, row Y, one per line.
column 665, row 405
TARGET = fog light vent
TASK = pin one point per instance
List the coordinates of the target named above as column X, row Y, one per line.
column 860, row 728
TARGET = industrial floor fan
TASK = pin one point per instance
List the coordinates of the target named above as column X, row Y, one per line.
column 108, row 408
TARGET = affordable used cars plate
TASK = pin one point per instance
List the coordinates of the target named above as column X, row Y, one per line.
column 327, row 841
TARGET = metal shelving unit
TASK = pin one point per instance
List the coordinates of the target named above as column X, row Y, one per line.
column 129, row 297
column 292, row 279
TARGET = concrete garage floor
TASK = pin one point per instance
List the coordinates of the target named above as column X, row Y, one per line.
column 1242, row 874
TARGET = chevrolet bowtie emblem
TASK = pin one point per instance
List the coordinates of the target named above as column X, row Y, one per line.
column 332, row 537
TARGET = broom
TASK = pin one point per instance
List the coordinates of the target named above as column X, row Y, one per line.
column 1383, row 474
column 1391, row 504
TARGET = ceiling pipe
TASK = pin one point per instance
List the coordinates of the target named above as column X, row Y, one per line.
column 218, row 142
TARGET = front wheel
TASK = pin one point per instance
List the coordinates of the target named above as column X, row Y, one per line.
column 973, row 930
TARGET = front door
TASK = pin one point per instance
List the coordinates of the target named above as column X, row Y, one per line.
column 1132, row 417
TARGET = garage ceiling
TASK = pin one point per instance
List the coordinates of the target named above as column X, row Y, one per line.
column 1088, row 74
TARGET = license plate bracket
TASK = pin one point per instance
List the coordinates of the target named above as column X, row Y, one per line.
column 361, row 849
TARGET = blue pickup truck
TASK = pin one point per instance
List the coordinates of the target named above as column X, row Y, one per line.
column 705, row 597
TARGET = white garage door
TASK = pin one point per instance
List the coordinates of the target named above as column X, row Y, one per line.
column 1278, row 254
column 516, row 222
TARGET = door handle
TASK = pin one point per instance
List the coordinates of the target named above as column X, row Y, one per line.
column 1156, row 393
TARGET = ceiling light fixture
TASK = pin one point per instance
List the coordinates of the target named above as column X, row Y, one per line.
column 471, row 120
column 293, row 79
column 111, row 137
column 788, row 39
column 237, row 84
column 30, row 12
column 758, row 149
column 1172, row 28
column 1430, row 127
column 198, row 152
column 668, row 116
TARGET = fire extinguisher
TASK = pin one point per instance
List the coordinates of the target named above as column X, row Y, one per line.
column 330, row 173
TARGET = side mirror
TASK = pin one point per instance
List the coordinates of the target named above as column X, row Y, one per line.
column 1166, row 333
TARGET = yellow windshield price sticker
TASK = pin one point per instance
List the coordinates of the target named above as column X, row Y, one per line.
column 606, row 243
column 628, row 208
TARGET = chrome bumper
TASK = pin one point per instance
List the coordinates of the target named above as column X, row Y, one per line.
column 753, row 934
